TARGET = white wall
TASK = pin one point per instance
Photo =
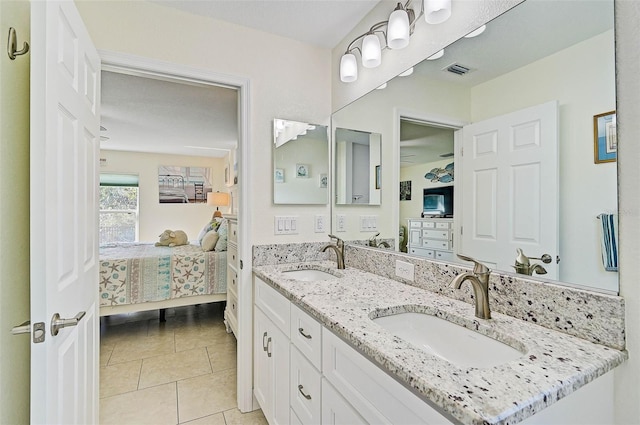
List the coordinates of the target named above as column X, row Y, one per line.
column 154, row 217
column 14, row 218
column 586, row 189
column 627, row 390
column 288, row 79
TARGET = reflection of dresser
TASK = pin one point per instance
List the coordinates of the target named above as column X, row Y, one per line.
column 231, row 311
column 431, row 238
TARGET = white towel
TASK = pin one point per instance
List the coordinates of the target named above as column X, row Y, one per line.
column 609, row 241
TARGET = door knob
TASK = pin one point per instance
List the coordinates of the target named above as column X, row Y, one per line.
column 57, row 323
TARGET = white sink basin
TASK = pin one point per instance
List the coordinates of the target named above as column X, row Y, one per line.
column 309, row 275
column 453, row 343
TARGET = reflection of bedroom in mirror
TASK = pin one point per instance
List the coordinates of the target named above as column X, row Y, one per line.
column 183, row 185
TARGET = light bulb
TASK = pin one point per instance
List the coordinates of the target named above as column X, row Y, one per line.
column 382, row 86
column 407, row 72
column 437, row 11
column 398, row 29
column 348, row 68
column 371, row 52
column 436, row 55
column 476, row 32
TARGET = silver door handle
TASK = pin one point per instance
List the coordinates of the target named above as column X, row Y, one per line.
column 23, row 328
column 57, row 323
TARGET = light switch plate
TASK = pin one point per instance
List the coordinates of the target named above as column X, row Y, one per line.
column 285, row 225
column 405, row 270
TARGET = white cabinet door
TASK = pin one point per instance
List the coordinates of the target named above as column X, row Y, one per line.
column 65, row 135
column 271, row 369
column 510, row 190
column 336, row 410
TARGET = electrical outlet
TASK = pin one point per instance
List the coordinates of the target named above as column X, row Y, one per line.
column 405, row 270
column 320, row 223
column 341, row 223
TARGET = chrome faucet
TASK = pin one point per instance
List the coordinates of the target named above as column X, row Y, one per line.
column 524, row 266
column 339, row 250
column 374, row 243
column 479, row 280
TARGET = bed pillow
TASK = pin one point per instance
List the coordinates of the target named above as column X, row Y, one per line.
column 209, row 240
column 223, row 231
column 212, row 225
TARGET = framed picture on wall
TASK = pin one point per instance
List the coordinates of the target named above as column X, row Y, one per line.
column 278, row 175
column 405, row 190
column 605, row 142
column 302, row 170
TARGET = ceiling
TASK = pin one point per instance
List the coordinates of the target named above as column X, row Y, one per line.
column 323, row 23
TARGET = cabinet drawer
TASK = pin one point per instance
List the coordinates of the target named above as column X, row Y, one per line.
column 436, row 234
column 444, row 256
column 306, row 335
column 428, row 243
column 304, row 392
column 426, row 253
column 414, row 224
column 376, row 396
column 232, row 279
column 233, row 231
column 232, row 306
column 273, row 304
column 428, row 225
column 445, row 225
column 232, row 254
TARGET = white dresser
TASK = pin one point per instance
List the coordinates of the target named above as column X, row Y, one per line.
column 231, row 311
column 431, row 238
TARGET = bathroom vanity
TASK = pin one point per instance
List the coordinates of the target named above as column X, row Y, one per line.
column 320, row 357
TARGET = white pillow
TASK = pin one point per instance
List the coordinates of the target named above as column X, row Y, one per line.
column 209, row 240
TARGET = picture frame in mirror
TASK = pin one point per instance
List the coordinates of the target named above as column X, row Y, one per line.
column 605, row 142
column 302, row 171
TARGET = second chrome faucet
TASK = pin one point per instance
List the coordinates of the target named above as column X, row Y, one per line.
column 479, row 280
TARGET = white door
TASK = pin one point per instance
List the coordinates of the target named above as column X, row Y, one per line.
column 510, row 187
column 65, row 110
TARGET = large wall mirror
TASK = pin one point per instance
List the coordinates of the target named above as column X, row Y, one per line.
column 550, row 59
column 300, row 163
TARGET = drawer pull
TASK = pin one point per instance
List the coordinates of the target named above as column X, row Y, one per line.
column 264, row 344
column 268, row 348
column 307, row 396
column 304, row 334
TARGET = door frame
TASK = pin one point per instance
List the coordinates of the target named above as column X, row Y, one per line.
column 437, row 121
column 121, row 62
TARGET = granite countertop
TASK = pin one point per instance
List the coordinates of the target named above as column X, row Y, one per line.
column 555, row 364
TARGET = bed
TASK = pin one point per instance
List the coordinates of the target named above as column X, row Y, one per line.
column 171, row 189
column 141, row 277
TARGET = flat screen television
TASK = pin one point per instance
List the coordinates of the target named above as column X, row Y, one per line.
column 438, row 202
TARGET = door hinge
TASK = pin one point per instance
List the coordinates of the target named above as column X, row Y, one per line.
column 241, row 265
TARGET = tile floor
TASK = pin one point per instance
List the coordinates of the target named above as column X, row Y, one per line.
column 182, row 371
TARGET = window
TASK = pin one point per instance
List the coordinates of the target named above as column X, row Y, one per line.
column 118, row 208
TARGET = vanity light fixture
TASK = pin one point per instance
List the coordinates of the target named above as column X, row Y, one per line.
column 396, row 32
column 437, row 11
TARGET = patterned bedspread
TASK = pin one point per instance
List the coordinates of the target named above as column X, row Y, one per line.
column 136, row 273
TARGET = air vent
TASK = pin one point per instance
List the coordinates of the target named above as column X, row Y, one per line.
column 458, row 69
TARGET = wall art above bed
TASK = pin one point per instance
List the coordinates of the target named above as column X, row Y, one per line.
column 183, row 185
